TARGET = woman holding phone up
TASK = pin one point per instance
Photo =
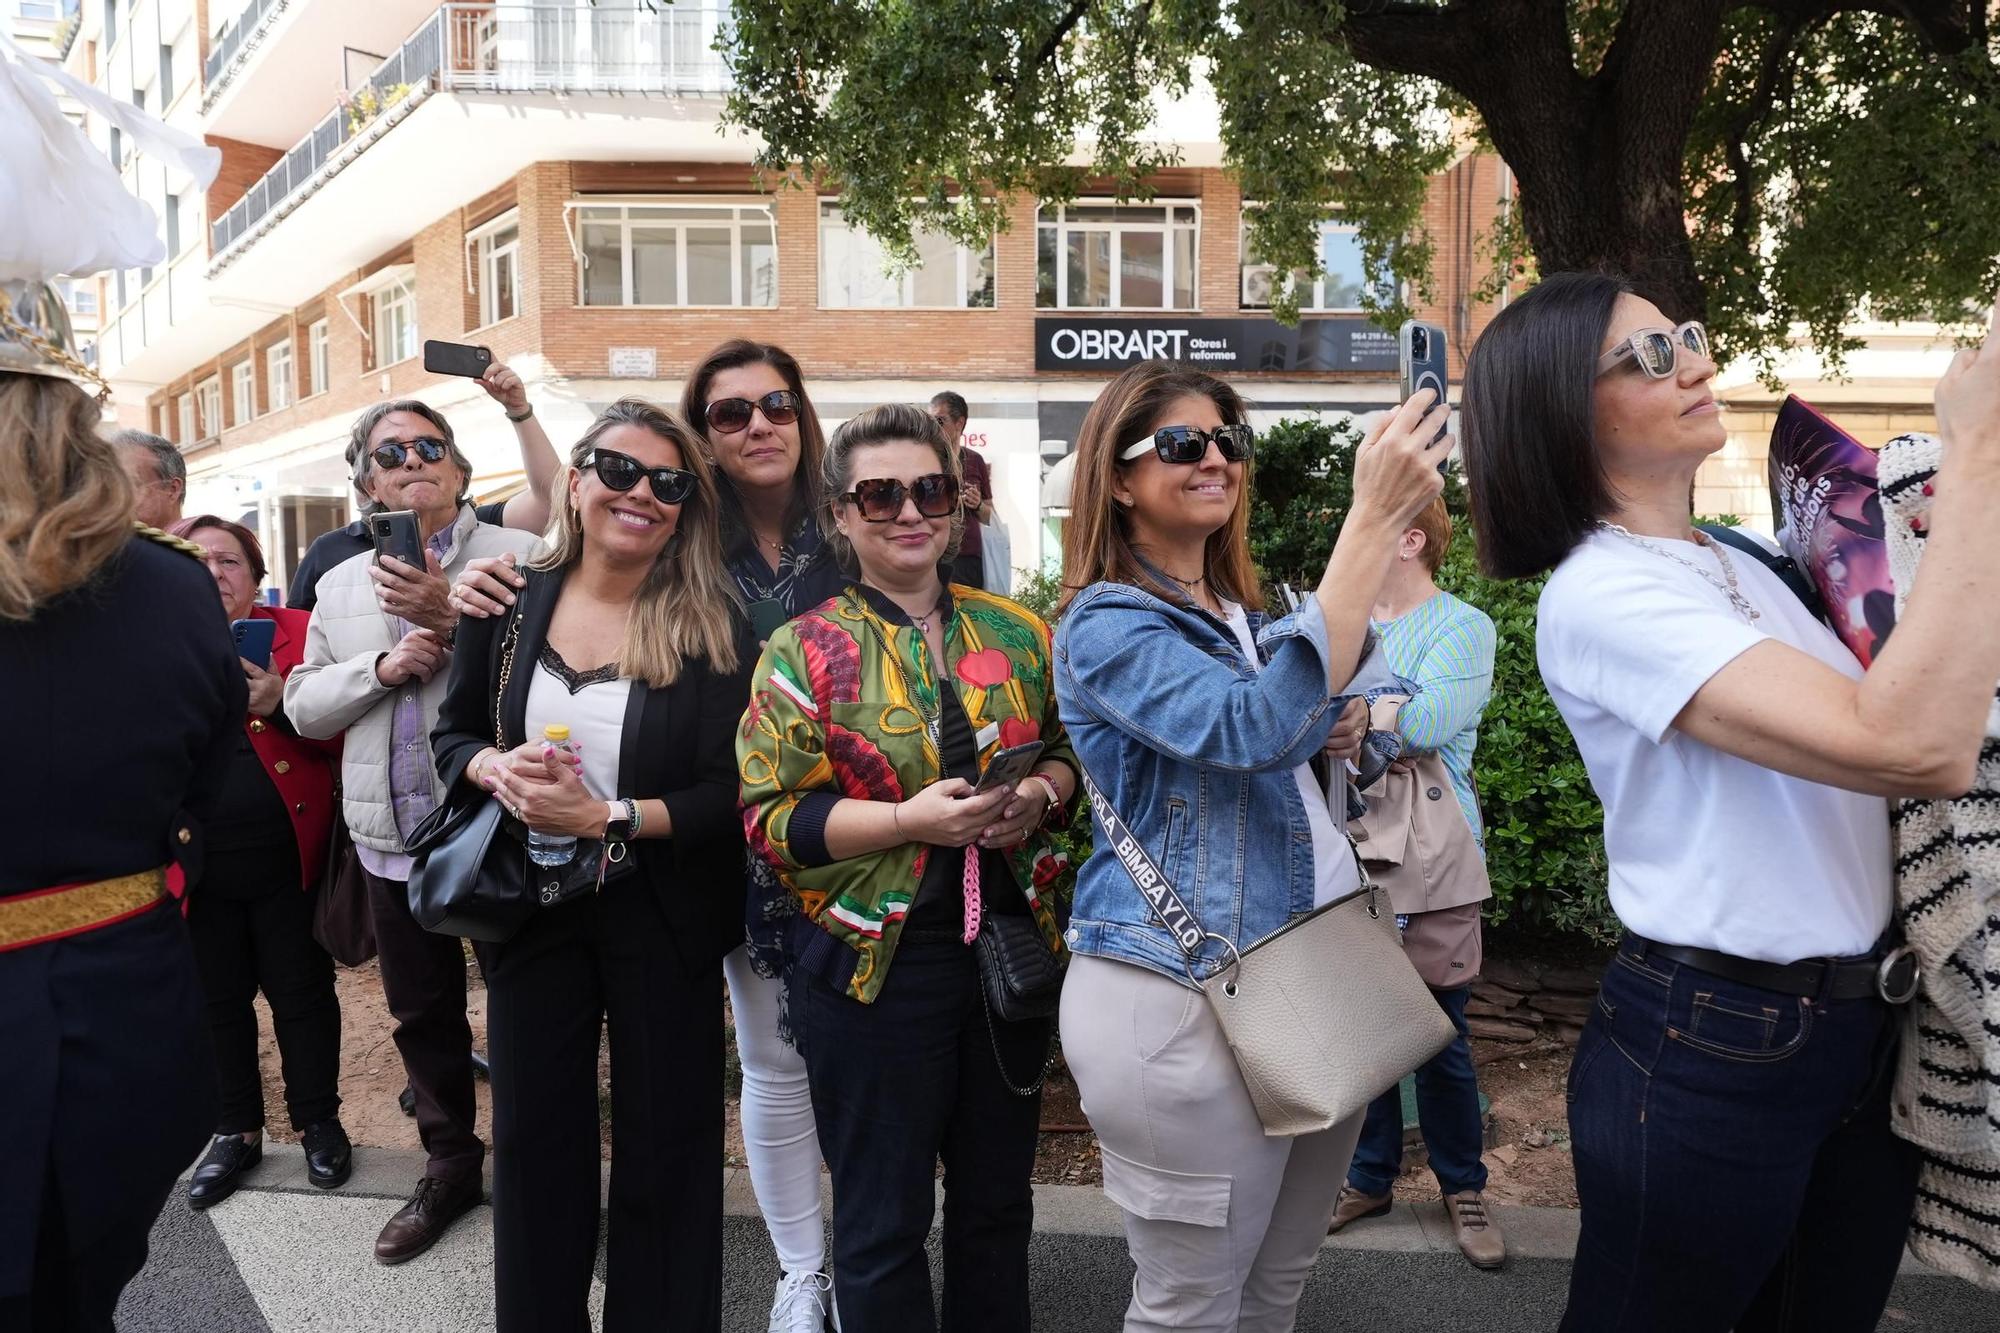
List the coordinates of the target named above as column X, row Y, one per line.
column 1729, row 1098
column 870, row 720
column 747, row 401
column 1198, row 722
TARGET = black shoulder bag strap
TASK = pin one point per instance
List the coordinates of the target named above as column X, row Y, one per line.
column 1786, row 568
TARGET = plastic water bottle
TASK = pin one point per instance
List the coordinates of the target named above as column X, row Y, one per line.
column 553, row 849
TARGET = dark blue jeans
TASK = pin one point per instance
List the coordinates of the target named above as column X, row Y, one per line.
column 898, row 1085
column 1733, row 1157
column 1447, row 1112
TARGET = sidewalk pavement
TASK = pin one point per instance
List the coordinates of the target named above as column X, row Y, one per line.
column 283, row 1257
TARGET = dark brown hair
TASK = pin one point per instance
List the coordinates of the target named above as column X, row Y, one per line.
column 1097, row 540
column 812, row 439
column 253, row 550
column 1529, row 432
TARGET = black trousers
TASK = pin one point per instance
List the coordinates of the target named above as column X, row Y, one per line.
column 897, row 1085
column 423, row 978
column 252, row 930
column 108, row 1092
column 607, row 958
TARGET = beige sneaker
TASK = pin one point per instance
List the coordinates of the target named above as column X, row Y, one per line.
column 1478, row 1234
column 1353, row 1205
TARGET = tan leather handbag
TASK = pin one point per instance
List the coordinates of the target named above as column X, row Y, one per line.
column 1416, row 844
column 1323, row 1015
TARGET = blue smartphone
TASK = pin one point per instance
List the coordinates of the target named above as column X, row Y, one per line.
column 253, row 641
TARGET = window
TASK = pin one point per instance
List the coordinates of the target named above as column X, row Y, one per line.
column 242, row 392
column 677, row 254
column 317, row 367
column 395, row 321
column 208, row 397
column 1340, row 287
column 173, row 215
column 279, row 378
column 166, row 75
column 110, row 24
column 852, row 269
column 184, row 412
column 497, row 247
column 117, row 148
column 40, row 9
column 82, row 299
column 1116, row 257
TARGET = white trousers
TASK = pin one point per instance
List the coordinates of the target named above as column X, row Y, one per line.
column 1223, row 1222
column 779, row 1135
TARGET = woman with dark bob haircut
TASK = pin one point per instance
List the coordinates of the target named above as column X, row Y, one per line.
column 1729, row 1101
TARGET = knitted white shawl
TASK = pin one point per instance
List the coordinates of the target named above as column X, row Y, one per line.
column 1948, row 903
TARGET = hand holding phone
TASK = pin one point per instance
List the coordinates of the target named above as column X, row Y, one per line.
column 254, row 638
column 395, row 532
column 1421, row 356
column 1008, row 767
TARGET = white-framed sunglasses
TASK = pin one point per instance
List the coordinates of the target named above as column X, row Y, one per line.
column 1657, row 352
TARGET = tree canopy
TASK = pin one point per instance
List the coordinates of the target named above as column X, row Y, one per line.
column 1758, row 163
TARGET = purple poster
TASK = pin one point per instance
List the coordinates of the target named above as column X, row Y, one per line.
column 1830, row 517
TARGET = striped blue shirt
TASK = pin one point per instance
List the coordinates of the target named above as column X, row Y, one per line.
column 1447, row 647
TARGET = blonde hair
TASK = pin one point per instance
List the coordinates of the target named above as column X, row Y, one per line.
column 686, row 608
column 65, row 499
column 1097, row 540
column 1434, row 521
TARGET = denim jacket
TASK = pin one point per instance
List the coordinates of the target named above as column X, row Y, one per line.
column 1195, row 750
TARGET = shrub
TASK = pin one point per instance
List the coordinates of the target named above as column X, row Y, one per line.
column 1544, row 826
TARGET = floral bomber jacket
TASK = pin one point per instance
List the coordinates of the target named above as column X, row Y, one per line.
column 831, row 715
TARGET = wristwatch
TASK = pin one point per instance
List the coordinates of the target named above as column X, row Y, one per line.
column 620, row 828
column 526, row 412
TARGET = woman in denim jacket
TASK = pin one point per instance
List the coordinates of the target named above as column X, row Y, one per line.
column 1199, row 730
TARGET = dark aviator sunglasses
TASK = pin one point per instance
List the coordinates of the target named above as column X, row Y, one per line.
column 391, row 453
column 1189, row 444
column 621, row 472
column 880, row 499
column 780, row 407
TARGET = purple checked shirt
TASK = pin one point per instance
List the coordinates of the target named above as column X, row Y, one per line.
column 411, row 775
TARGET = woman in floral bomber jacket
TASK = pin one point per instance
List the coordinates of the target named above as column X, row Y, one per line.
column 857, row 770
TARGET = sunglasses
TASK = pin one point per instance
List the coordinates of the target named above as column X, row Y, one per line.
column 1189, row 444
column 391, row 453
column 621, row 472
column 880, row 499
column 780, row 407
column 1657, row 352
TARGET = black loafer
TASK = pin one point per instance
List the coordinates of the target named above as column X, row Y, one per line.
column 329, row 1156
column 221, row 1171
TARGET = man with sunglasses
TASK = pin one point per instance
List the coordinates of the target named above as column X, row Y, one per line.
column 975, row 492
column 374, row 672
column 526, row 510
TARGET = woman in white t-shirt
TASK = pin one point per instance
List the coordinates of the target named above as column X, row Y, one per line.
column 1729, row 1098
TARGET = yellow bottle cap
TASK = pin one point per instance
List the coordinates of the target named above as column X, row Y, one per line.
column 555, row 733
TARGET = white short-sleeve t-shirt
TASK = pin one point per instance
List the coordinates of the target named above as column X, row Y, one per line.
column 1706, row 850
column 1335, row 874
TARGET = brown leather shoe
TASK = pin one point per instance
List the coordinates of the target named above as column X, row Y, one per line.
column 420, row 1222
column 1477, row 1233
column 1353, row 1205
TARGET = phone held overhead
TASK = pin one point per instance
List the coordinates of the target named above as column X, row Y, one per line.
column 444, row 358
column 1420, row 354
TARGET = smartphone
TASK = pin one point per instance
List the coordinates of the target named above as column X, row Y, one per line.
column 253, row 641
column 443, row 358
column 394, row 532
column 1420, row 353
column 1009, row 766
column 766, row 614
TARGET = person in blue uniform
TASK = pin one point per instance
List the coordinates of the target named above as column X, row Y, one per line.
column 125, row 696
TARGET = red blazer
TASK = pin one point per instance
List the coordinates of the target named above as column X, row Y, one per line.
column 302, row 770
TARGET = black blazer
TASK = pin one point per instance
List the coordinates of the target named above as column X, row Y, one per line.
column 679, row 745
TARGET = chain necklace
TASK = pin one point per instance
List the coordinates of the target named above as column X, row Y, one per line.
column 1728, row 589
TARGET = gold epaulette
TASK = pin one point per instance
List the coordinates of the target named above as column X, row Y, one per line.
column 171, row 542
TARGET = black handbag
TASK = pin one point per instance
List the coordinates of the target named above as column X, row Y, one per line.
column 472, row 875
column 1020, row 980
column 343, row 923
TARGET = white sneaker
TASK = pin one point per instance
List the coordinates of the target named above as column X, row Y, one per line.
column 801, row 1303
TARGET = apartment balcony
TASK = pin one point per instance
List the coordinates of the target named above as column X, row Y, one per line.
column 272, row 65
column 471, row 97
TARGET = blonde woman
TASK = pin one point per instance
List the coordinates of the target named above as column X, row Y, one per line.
column 628, row 635
column 112, row 644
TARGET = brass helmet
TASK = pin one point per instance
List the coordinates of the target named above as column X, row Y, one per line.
column 35, row 334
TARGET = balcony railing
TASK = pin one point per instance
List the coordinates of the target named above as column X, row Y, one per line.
column 474, row 48
column 233, row 47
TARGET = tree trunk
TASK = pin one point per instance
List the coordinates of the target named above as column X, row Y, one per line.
column 1599, row 158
